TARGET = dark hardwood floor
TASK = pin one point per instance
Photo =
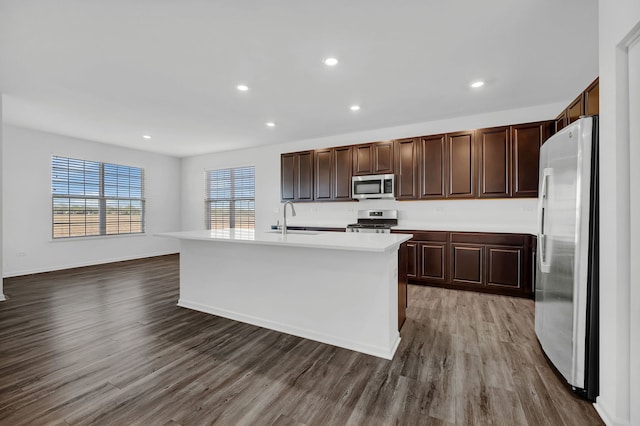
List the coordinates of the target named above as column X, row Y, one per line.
column 108, row 345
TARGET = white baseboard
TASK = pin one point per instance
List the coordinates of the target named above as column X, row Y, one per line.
column 607, row 418
column 386, row 353
column 86, row 263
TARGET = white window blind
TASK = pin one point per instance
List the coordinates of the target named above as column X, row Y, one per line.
column 230, row 198
column 92, row 198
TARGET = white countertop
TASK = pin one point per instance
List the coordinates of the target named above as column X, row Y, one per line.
column 504, row 228
column 307, row 239
column 508, row 228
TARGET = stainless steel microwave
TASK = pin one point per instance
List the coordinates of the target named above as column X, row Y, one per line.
column 373, row 187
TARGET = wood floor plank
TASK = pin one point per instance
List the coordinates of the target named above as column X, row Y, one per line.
column 108, row 345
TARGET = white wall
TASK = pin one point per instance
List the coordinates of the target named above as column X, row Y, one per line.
column 511, row 215
column 1, row 240
column 617, row 19
column 26, row 169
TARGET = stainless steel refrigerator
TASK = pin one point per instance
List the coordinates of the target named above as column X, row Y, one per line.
column 566, row 292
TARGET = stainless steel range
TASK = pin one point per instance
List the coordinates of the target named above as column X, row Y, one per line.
column 374, row 221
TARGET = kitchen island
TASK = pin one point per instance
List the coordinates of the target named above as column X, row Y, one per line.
column 335, row 288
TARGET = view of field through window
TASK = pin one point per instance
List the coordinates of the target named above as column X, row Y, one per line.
column 230, row 198
column 91, row 198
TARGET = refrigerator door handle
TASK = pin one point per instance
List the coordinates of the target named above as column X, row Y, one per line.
column 545, row 265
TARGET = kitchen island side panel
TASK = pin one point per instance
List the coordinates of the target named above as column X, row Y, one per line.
column 343, row 298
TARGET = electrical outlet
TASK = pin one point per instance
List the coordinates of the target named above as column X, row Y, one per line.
column 21, row 254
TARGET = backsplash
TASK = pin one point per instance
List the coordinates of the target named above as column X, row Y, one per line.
column 494, row 215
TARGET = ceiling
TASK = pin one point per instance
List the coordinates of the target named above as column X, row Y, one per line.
column 115, row 70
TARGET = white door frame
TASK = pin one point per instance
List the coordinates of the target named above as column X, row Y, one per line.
column 632, row 45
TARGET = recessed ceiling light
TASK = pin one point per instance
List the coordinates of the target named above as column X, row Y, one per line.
column 354, row 107
column 477, row 84
column 242, row 87
column 146, row 137
column 270, row 124
column 331, row 62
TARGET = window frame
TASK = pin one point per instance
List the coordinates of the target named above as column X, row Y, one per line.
column 232, row 200
column 102, row 199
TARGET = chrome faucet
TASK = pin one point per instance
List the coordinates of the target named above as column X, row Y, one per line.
column 293, row 213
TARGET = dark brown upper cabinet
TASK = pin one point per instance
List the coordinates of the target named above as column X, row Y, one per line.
column 332, row 174
column 432, row 166
column 461, row 165
column 373, row 158
column 383, row 157
column 592, row 98
column 587, row 103
column 324, row 174
column 575, row 109
column 561, row 121
column 486, row 163
column 296, row 180
column 494, row 146
column 362, row 159
column 287, row 176
column 526, row 140
column 407, row 169
column 342, row 166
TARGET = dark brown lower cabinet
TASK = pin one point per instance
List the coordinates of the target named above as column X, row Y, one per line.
column 412, row 256
column 504, row 266
column 467, row 264
column 433, row 261
column 497, row 263
column 402, row 284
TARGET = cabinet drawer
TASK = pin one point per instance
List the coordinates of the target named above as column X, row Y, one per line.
column 439, row 236
column 488, row 238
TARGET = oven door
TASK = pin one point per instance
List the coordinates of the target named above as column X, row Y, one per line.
column 373, row 186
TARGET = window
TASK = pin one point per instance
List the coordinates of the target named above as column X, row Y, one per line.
column 93, row 198
column 230, row 198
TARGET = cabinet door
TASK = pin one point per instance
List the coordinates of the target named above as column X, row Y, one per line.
column 461, row 165
column 592, row 98
column 383, row 157
column 402, row 284
column 407, row 169
column 575, row 109
column 494, row 147
column 526, row 140
column 342, row 168
column 505, row 266
column 323, row 174
column 287, row 177
column 412, row 257
column 561, row 121
column 467, row 264
column 433, row 167
column 304, row 178
column 433, row 261
column 363, row 159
